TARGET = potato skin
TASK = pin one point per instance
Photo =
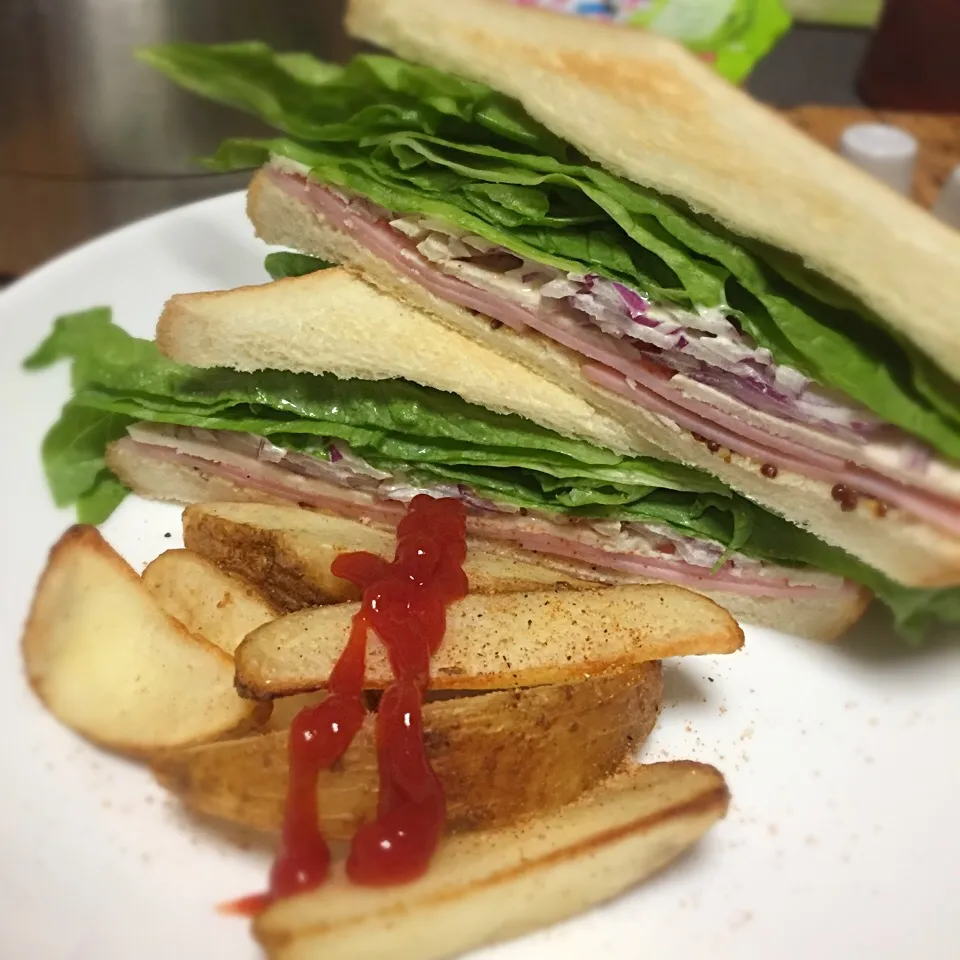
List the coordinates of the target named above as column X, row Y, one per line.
column 107, row 661
column 495, row 884
column 291, row 574
column 500, row 756
column 501, row 641
column 286, row 552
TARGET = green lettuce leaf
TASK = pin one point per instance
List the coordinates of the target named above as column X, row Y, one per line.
column 119, row 379
column 723, row 519
column 417, row 140
column 914, row 610
column 73, row 458
column 96, row 503
column 430, row 437
column 284, row 264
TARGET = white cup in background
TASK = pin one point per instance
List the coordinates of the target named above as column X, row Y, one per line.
column 886, row 152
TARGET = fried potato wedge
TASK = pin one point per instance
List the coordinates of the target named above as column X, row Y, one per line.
column 500, row 641
column 287, row 551
column 500, row 756
column 286, row 708
column 490, row 886
column 108, row 662
column 210, row 603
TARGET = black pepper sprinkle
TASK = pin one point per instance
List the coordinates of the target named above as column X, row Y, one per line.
column 168, row 535
column 769, row 470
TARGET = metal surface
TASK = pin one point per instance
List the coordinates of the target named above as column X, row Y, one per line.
column 77, row 104
column 811, row 65
column 40, row 218
column 91, row 138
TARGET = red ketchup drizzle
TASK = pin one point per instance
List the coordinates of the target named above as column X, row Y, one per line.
column 405, row 602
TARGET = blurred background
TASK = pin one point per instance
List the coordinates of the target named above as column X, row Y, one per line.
column 91, row 139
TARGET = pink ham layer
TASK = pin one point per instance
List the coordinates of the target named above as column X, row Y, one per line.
column 360, row 505
column 615, row 369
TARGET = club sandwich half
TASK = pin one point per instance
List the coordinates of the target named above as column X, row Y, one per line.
column 324, row 392
column 594, row 204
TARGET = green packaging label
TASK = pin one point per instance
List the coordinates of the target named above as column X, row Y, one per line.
column 733, row 34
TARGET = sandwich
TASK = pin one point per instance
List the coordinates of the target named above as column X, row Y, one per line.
column 593, row 203
column 322, row 391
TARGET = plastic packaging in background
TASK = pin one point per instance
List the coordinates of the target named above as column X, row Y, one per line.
column 734, row 35
column 837, row 13
column 597, row 8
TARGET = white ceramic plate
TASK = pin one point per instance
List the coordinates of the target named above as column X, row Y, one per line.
column 843, row 839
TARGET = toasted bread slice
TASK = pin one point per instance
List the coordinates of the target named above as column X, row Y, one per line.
column 650, row 111
column 350, row 329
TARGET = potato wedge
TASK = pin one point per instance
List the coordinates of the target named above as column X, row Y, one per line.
column 491, row 886
column 286, row 708
column 499, row 756
column 501, row 641
column 287, row 551
column 108, row 662
column 209, row 602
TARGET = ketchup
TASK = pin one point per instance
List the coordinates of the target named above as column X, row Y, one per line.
column 405, row 602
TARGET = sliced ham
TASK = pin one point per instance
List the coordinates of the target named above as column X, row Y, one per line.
column 679, row 573
column 566, row 540
column 379, row 238
column 286, row 485
column 623, row 368
column 732, row 435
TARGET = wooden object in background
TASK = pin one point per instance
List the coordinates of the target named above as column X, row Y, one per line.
column 937, row 134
